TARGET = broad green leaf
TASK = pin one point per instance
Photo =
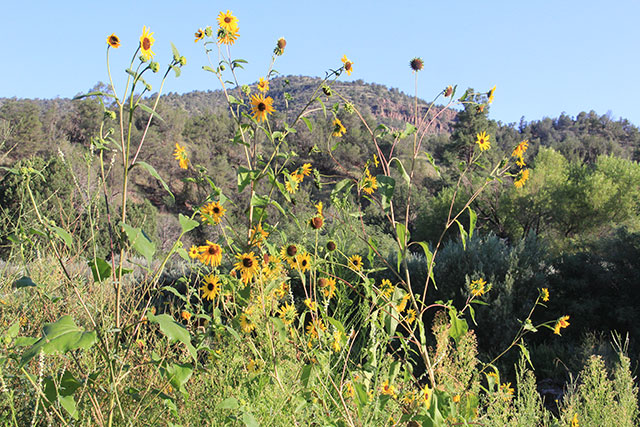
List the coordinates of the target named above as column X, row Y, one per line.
column 472, row 221
column 152, row 171
column 61, row 336
column 150, row 111
column 229, row 403
column 64, row 236
column 305, row 375
column 429, row 255
column 174, row 51
column 525, row 353
column 187, row 223
column 387, row 186
column 100, row 269
column 140, row 242
column 178, row 374
column 24, row 282
column 244, row 178
column 174, row 331
column 459, row 327
column 249, row 420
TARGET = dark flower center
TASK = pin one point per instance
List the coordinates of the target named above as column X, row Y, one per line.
column 247, row 262
column 216, row 210
column 227, row 19
column 210, row 287
column 213, row 250
column 304, row 263
column 113, row 40
column 347, row 66
column 146, row 43
column 262, row 106
column 292, row 250
column 323, row 282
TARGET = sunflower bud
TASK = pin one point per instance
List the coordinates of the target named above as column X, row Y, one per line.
column 208, row 31
column 108, row 114
column 327, row 90
column 183, row 61
column 143, row 59
column 222, row 67
column 147, row 86
column 331, row 246
column 246, row 89
column 348, row 107
column 155, row 67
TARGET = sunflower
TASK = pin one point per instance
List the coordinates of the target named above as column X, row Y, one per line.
column 416, row 64
column 211, row 254
column 194, row 252
column 490, row 94
column 246, row 324
column 348, row 65
column 477, row 287
column 146, row 41
column 288, row 253
column 387, row 388
column 227, row 21
column 448, row 91
column 327, row 287
column 483, row 141
column 519, row 151
column 336, row 345
column 257, row 235
column 522, row 177
column 355, row 262
column 247, row 265
column 311, row 304
column 387, row 288
column 305, row 169
column 199, row 35
column 369, row 182
column 287, row 313
column 561, row 323
column 291, row 183
column 261, row 106
column 181, row 156
column 263, row 85
column 403, row 303
column 280, row 45
column 281, row 291
column 411, row 316
column 338, row 128
column 544, row 294
column 113, row 41
column 227, row 37
column 212, row 212
column 211, row 287
column 303, row 262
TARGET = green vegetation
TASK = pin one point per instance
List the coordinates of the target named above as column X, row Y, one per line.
column 305, row 249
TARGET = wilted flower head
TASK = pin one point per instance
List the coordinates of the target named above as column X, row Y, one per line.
column 416, row 64
column 280, row 45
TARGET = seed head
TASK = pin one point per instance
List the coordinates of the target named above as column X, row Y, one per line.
column 416, row 64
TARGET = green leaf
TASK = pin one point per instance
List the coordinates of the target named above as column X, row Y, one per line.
column 207, row 68
column 525, row 353
column 178, row 374
column 463, row 235
column 97, row 93
column 229, row 403
column 249, row 420
column 140, row 242
column 433, row 163
column 61, row 336
column 174, row 331
column 244, row 178
column 64, row 236
column 24, row 282
column 187, row 223
column 174, row 51
column 152, row 171
column 305, row 375
column 401, row 169
column 387, row 186
column 150, row 111
column 176, row 70
column 308, row 123
column 429, row 255
column 472, row 221
column 100, row 269
column 459, row 327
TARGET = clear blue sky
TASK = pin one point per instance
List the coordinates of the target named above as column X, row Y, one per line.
column 545, row 56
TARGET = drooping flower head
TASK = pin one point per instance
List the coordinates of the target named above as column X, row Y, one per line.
column 338, row 128
column 199, row 35
column 261, row 106
column 561, row 323
column 227, row 37
column 483, row 141
column 416, row 64
column 227, row 21
column 113, row 41
column 181, row 156
column 347, row 65
column 280, row 45
column 146, row 41
column 490, row 94
column 448, row 91
column 522, row 177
